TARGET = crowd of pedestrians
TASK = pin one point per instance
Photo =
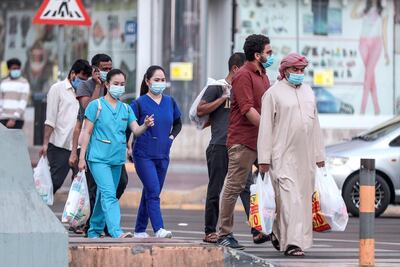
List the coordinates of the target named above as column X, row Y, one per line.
column 274, row 128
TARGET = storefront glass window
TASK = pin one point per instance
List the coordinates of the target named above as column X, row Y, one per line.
column 47, row 52
column 349, row 45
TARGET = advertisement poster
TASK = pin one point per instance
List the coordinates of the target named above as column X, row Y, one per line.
column 348, row 39
column 114, row 31
column 354, row 41
column 34, row 45
column 273, row 18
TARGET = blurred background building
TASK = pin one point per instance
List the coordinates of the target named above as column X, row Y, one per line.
column 193, row 40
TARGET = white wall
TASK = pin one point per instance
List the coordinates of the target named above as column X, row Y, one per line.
column 149, row 37
column 219, row 37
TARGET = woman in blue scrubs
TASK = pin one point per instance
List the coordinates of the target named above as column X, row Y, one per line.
column 104, row 140
column 151, row 150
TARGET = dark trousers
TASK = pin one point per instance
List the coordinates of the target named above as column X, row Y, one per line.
column 18, row 124
column 59, row 167
column 217, row 163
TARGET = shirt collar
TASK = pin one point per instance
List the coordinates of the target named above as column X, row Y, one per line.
column 67, row 84
column 253, row 68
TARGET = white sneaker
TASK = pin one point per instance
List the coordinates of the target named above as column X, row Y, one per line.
column 140, row 235
column 162, row 233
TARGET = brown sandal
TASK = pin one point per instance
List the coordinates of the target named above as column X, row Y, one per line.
column 211, row 238
column 260, row 238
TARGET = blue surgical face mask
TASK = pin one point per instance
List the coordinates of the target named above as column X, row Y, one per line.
column 75, row 83
column 295, row 79
column 268, row 63
column 15, row 73
column 103, row 75
column 158, row 87
column 116, row 91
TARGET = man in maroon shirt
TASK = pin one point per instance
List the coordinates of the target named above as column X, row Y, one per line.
column 248, row 86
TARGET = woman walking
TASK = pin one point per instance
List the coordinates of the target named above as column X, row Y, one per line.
column 104, row 140
column 151, row 150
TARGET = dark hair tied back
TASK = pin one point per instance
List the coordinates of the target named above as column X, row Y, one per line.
column 144, row 89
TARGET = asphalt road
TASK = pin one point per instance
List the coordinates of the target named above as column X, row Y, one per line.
column 330, row 249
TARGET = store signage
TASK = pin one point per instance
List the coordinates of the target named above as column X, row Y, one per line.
column 62, row 12
column 323, row 77
column 181, row 71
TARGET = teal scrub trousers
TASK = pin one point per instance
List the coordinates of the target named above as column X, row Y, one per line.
column 106, row 209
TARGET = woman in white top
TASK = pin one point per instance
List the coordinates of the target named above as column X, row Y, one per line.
column 373, row 37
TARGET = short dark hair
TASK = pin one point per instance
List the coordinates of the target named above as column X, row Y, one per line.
column 81, row 65
column 96, row 59
column 13, row 61
column 114, row 72
column 144, row 88
column 236, row 59
column 254, row 43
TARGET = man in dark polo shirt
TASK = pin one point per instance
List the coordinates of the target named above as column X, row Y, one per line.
column 248, row 86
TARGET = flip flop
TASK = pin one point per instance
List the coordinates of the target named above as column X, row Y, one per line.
column 260, row 238
column 294, row 251
column 211, row 238
column 275, row 242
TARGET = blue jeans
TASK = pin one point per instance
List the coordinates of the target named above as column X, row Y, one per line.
column 152, row 173
column 106, row 208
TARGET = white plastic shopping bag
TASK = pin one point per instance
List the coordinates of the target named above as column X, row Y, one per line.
column 77, row 209
column 329, row 209
column 262, row 205
column 42, row 180
column 200, row 122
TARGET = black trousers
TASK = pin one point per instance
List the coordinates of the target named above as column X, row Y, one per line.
column 217, row 163
column 18, row 124
column 59, row 167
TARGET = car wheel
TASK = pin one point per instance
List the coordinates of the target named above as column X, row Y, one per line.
column 351, row 195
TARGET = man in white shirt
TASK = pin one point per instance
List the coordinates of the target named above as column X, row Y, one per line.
column 14, row 94
column 61, row 113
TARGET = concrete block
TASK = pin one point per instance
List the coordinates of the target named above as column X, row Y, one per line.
column 30, row 234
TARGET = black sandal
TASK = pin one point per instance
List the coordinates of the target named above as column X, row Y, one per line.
column 275, row 242
column 260, row 238
column 294, row 251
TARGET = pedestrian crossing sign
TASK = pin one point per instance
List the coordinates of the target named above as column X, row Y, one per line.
column 62, row 12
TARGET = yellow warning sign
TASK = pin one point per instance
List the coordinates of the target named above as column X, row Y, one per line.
column 181, row 71
column 323, row 77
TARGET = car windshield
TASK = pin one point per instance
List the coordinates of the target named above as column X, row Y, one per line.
column 380, row 130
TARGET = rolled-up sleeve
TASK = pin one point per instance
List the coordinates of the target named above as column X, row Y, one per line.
column 243, row 92
column 53, row 97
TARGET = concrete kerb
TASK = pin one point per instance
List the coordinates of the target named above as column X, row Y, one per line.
column 155, row 252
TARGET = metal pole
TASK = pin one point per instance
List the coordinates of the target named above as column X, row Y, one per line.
column 61, row 48
column 367, row 212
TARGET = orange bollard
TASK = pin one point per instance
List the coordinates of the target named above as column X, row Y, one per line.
column 367, row 212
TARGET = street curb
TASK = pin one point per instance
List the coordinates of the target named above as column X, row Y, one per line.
column 155, row 252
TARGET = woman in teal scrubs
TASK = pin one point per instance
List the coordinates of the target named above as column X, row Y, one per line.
column 104, row 145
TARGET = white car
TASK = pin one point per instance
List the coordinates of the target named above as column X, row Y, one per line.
column 381, row 143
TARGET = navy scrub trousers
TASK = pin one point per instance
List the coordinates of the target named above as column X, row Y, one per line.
column 151, row 157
